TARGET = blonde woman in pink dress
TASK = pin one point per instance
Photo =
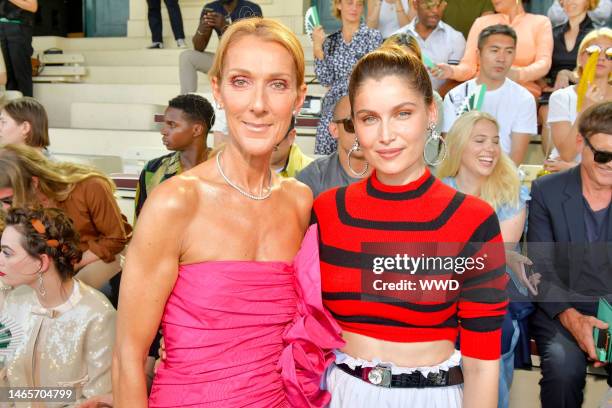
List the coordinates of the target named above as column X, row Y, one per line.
column 222, row 257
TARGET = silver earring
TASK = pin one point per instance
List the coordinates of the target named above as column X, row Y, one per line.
column 353, row 149
column 218, row 106
column 41, row 286
column 434, row 137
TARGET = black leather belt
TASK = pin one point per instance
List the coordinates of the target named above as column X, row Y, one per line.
column 382, row 377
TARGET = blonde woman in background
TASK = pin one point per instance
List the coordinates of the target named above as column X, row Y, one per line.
column 335, row 55
column 86, row 195
column 476, row 165
column 563, row 104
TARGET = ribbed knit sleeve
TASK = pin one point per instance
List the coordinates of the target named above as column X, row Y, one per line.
column 483, row 300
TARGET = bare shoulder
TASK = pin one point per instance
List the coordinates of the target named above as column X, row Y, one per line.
column 173, row 199
column 299, row 193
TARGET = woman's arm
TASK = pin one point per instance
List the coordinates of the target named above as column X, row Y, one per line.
column 512, row 228
column 466, row 69
column 324, row 67
column 564, row 138
column 148, row 278
column 404, row 16
column 29, row 5
column 543, row 43
column 373, row 15
column 481, row 381
column 107, row 219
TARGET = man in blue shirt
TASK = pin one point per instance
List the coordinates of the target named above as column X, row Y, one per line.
column 217, row 16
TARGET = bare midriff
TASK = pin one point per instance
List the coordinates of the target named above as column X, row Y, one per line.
column 417, row 354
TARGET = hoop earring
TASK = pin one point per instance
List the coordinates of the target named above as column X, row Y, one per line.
column 41, row 286
column 434, row 136
column 353, row 149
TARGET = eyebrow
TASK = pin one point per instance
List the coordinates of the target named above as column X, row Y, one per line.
column 247, row 72
column 6, row 247
column 401, row 105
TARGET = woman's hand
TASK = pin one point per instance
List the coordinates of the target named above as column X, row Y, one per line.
column 516, row 262
column 442, row 71
column 373, row 13
column 593, row 96
column 318, row 38
column 563, row 79
column 99, row 401
column 556, row 165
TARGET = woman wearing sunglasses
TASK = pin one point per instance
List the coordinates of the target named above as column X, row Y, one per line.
column 563, row 104
column 400, row 342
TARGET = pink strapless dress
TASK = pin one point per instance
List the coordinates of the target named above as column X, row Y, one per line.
column 247, row 334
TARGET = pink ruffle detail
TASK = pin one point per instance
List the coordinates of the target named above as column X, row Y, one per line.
column 312, row 337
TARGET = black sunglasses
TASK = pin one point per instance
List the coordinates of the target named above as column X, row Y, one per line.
column 347, row 123
column 600, row 156
column 596, row 48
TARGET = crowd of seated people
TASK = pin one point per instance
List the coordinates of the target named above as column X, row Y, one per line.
column 480, row 75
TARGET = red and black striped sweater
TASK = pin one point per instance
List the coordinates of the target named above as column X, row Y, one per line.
column 366, row 219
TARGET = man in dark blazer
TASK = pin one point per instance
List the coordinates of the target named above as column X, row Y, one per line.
column 570, row 237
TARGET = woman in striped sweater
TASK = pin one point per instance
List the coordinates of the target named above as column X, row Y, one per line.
column 384, row 239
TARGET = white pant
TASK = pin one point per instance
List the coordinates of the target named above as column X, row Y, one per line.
column 348, row 391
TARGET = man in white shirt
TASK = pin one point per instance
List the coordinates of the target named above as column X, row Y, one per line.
column 511, row 104
column 438, row 41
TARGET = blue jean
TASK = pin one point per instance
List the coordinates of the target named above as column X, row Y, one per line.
column 506, row 369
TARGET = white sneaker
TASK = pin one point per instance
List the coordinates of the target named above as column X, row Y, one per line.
column 155, row 46
column 606, row 402
column 181, row 43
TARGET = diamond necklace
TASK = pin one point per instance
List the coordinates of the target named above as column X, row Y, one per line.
column 241, row 191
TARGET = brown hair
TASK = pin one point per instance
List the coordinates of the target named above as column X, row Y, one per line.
column 267, row 30
column 406, row 41
column 30, row 110
column 20, row 163
column 57, row 238
column 596, row 119
column 391, row 60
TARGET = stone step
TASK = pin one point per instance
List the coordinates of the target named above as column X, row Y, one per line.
column 114, row 116
column 144, row 57
column 58, row 98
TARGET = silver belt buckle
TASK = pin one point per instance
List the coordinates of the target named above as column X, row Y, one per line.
column 380, row 376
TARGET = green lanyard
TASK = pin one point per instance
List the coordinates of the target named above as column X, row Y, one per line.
column 6, row 20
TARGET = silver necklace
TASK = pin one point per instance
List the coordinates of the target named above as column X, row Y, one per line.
column 241, row 191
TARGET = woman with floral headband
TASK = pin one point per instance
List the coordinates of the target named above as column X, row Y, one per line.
column 67, row 328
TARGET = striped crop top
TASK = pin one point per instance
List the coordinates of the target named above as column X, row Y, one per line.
column 371, row 236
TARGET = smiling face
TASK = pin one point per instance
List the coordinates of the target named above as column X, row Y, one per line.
column 599, row 173
column 573, row 8
column 259, row 92
column 12, row 132
column 391, row 120
column 482, row 150
column 497, row 56
column 17, row 267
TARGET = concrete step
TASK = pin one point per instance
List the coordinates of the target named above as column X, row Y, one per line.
column 41, row 43
column 114, row 116
column 140, row 27
column 58, row 98
column 144, row 57
column 120, row 143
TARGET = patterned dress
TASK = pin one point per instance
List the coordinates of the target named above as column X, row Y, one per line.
column 334, row 72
